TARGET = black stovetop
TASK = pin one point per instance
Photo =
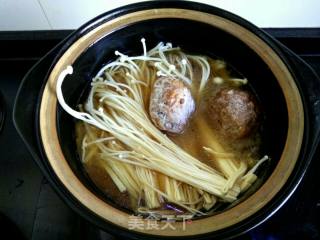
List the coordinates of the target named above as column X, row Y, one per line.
column 30, row 209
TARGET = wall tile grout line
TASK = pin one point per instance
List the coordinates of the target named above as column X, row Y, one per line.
column 45, row 14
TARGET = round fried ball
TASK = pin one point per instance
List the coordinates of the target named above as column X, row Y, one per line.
column 171, row 104
column 233, row 112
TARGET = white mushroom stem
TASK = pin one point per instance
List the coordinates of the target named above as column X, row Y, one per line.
column 78, row 115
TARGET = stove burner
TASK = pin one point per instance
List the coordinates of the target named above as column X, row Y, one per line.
column 2, row 111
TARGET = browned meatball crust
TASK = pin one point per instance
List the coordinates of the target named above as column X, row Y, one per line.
column 234, row 113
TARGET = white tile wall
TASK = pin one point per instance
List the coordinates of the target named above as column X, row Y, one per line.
column 70, row 14
column 274, row 13
column 22, row 14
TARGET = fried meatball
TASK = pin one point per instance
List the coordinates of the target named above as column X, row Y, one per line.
column 171, row 104
column 233, row 112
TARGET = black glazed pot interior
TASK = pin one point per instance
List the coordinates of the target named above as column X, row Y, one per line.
column 191, row 36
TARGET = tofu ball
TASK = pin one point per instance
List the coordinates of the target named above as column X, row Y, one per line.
column 171, row 104
column 234, row 113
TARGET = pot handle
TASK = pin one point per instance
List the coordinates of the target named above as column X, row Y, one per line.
column 310, row 85
column 26, row 103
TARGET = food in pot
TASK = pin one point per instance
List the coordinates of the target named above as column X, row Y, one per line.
column 153, row 123
column 233, row 112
